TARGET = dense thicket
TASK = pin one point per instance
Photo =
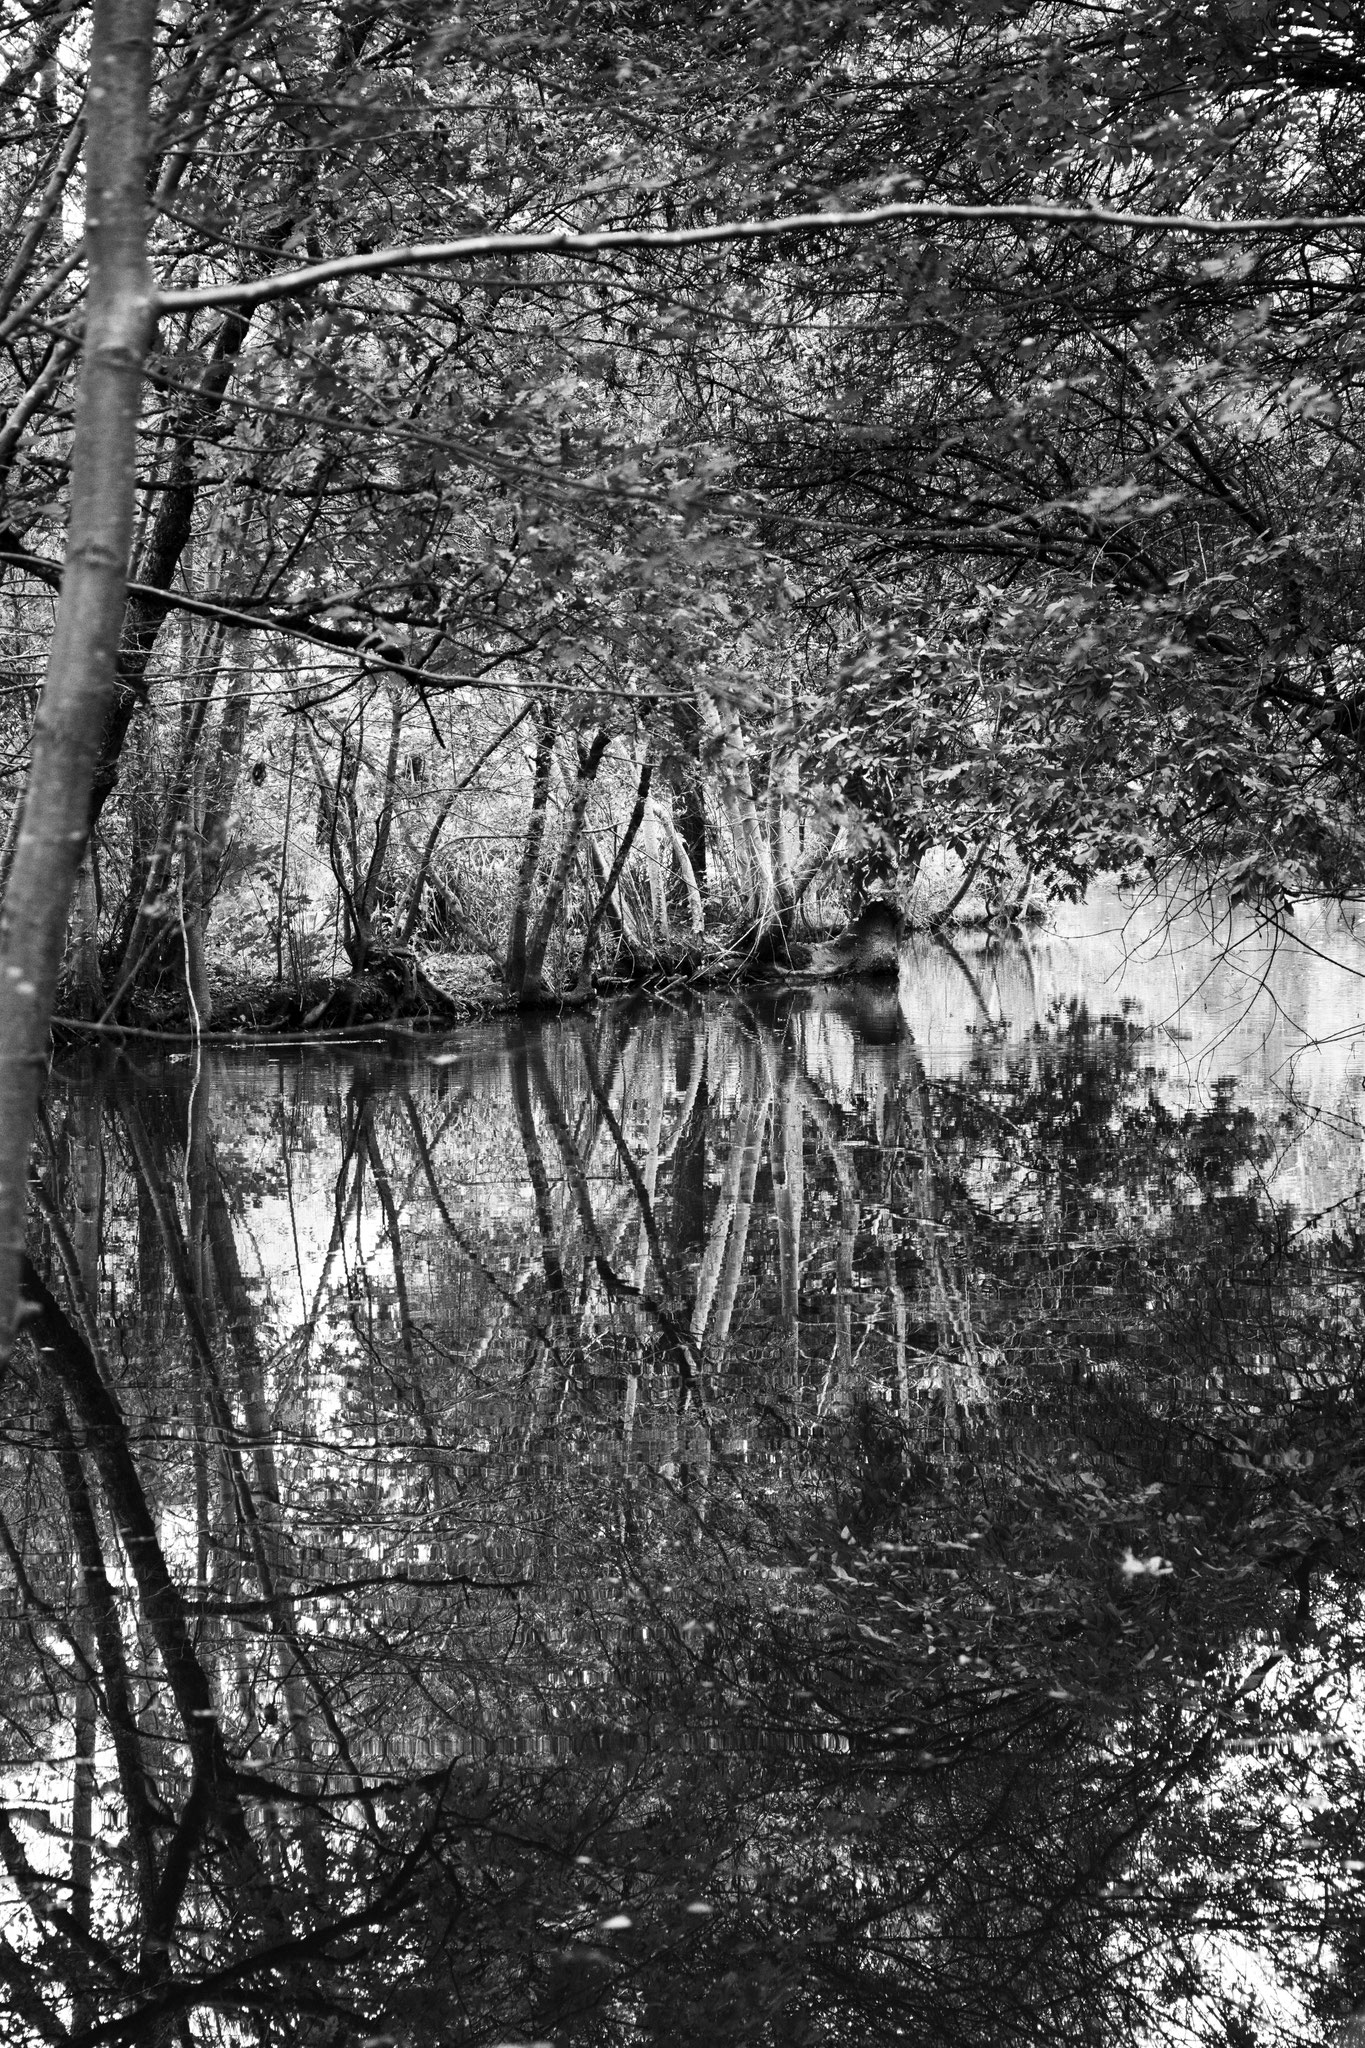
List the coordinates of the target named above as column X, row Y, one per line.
column 1029, row 543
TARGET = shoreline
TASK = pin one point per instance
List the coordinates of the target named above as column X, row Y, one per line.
column 424, row 1023
column 439, row 993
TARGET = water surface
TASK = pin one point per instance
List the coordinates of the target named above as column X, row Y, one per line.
column 830, row 1516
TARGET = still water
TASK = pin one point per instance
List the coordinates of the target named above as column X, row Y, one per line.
column 826, row 1517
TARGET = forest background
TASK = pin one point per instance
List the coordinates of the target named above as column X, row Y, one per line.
column 593, row 474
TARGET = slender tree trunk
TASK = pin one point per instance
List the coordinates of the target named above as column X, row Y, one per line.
column 530, row 852
column 367, row 886
column 85, row 939
column 195, row 913
column 177, row 821
column 696, row 909
column 119, row 317
column 165, row 541
column 413, row 912
column 614, row 876
column 198, row 681
column 142, row 799
column 783, row 780
column 689, row 803
column 282, row 880
column 589, row 761
column 598, row 869
column 330, row 799
column 13, row 826
column 87, row 1178
column 753, row 863
column 969, row 874
column 650, row 837
column 227, row 761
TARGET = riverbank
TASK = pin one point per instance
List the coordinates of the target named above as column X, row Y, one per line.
column 411, row 991
column 408, row 993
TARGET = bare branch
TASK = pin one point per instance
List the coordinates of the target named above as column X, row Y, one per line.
column 289, row 284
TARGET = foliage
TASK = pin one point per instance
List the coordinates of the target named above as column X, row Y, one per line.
column 1032, row 546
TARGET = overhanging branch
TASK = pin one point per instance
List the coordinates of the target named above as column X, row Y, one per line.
column 289, row 284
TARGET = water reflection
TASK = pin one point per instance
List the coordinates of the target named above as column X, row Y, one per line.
column 734, row 1522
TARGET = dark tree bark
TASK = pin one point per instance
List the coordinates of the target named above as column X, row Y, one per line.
column 170, row 531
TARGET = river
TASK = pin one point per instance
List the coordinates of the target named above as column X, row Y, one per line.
column 827, row 1515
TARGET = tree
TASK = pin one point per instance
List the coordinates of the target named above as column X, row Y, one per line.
column 80, row 671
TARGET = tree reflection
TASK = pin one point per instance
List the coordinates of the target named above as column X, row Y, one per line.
column 678, row 1526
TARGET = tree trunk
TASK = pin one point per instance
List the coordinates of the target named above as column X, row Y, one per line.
column 589, row 761
column 783, row 782
column 689, row 803
column 598, row 869
column 177, row 821
column 194, row 913
column 413, row 912
column 11, row 839
column 650, row 837
column 85, row 940
column 330, row 799
column 78, row 684
column 87, row 1182
column 530, row 853
column 608, row 887
column 696, row 909
column 753, row 863
column 282, row 923
column 142, row 802
column 367, row 885
column 198, row 681
column 165, row 543
column 227, row 760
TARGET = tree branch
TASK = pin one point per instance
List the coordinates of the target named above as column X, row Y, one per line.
column 292, row 284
